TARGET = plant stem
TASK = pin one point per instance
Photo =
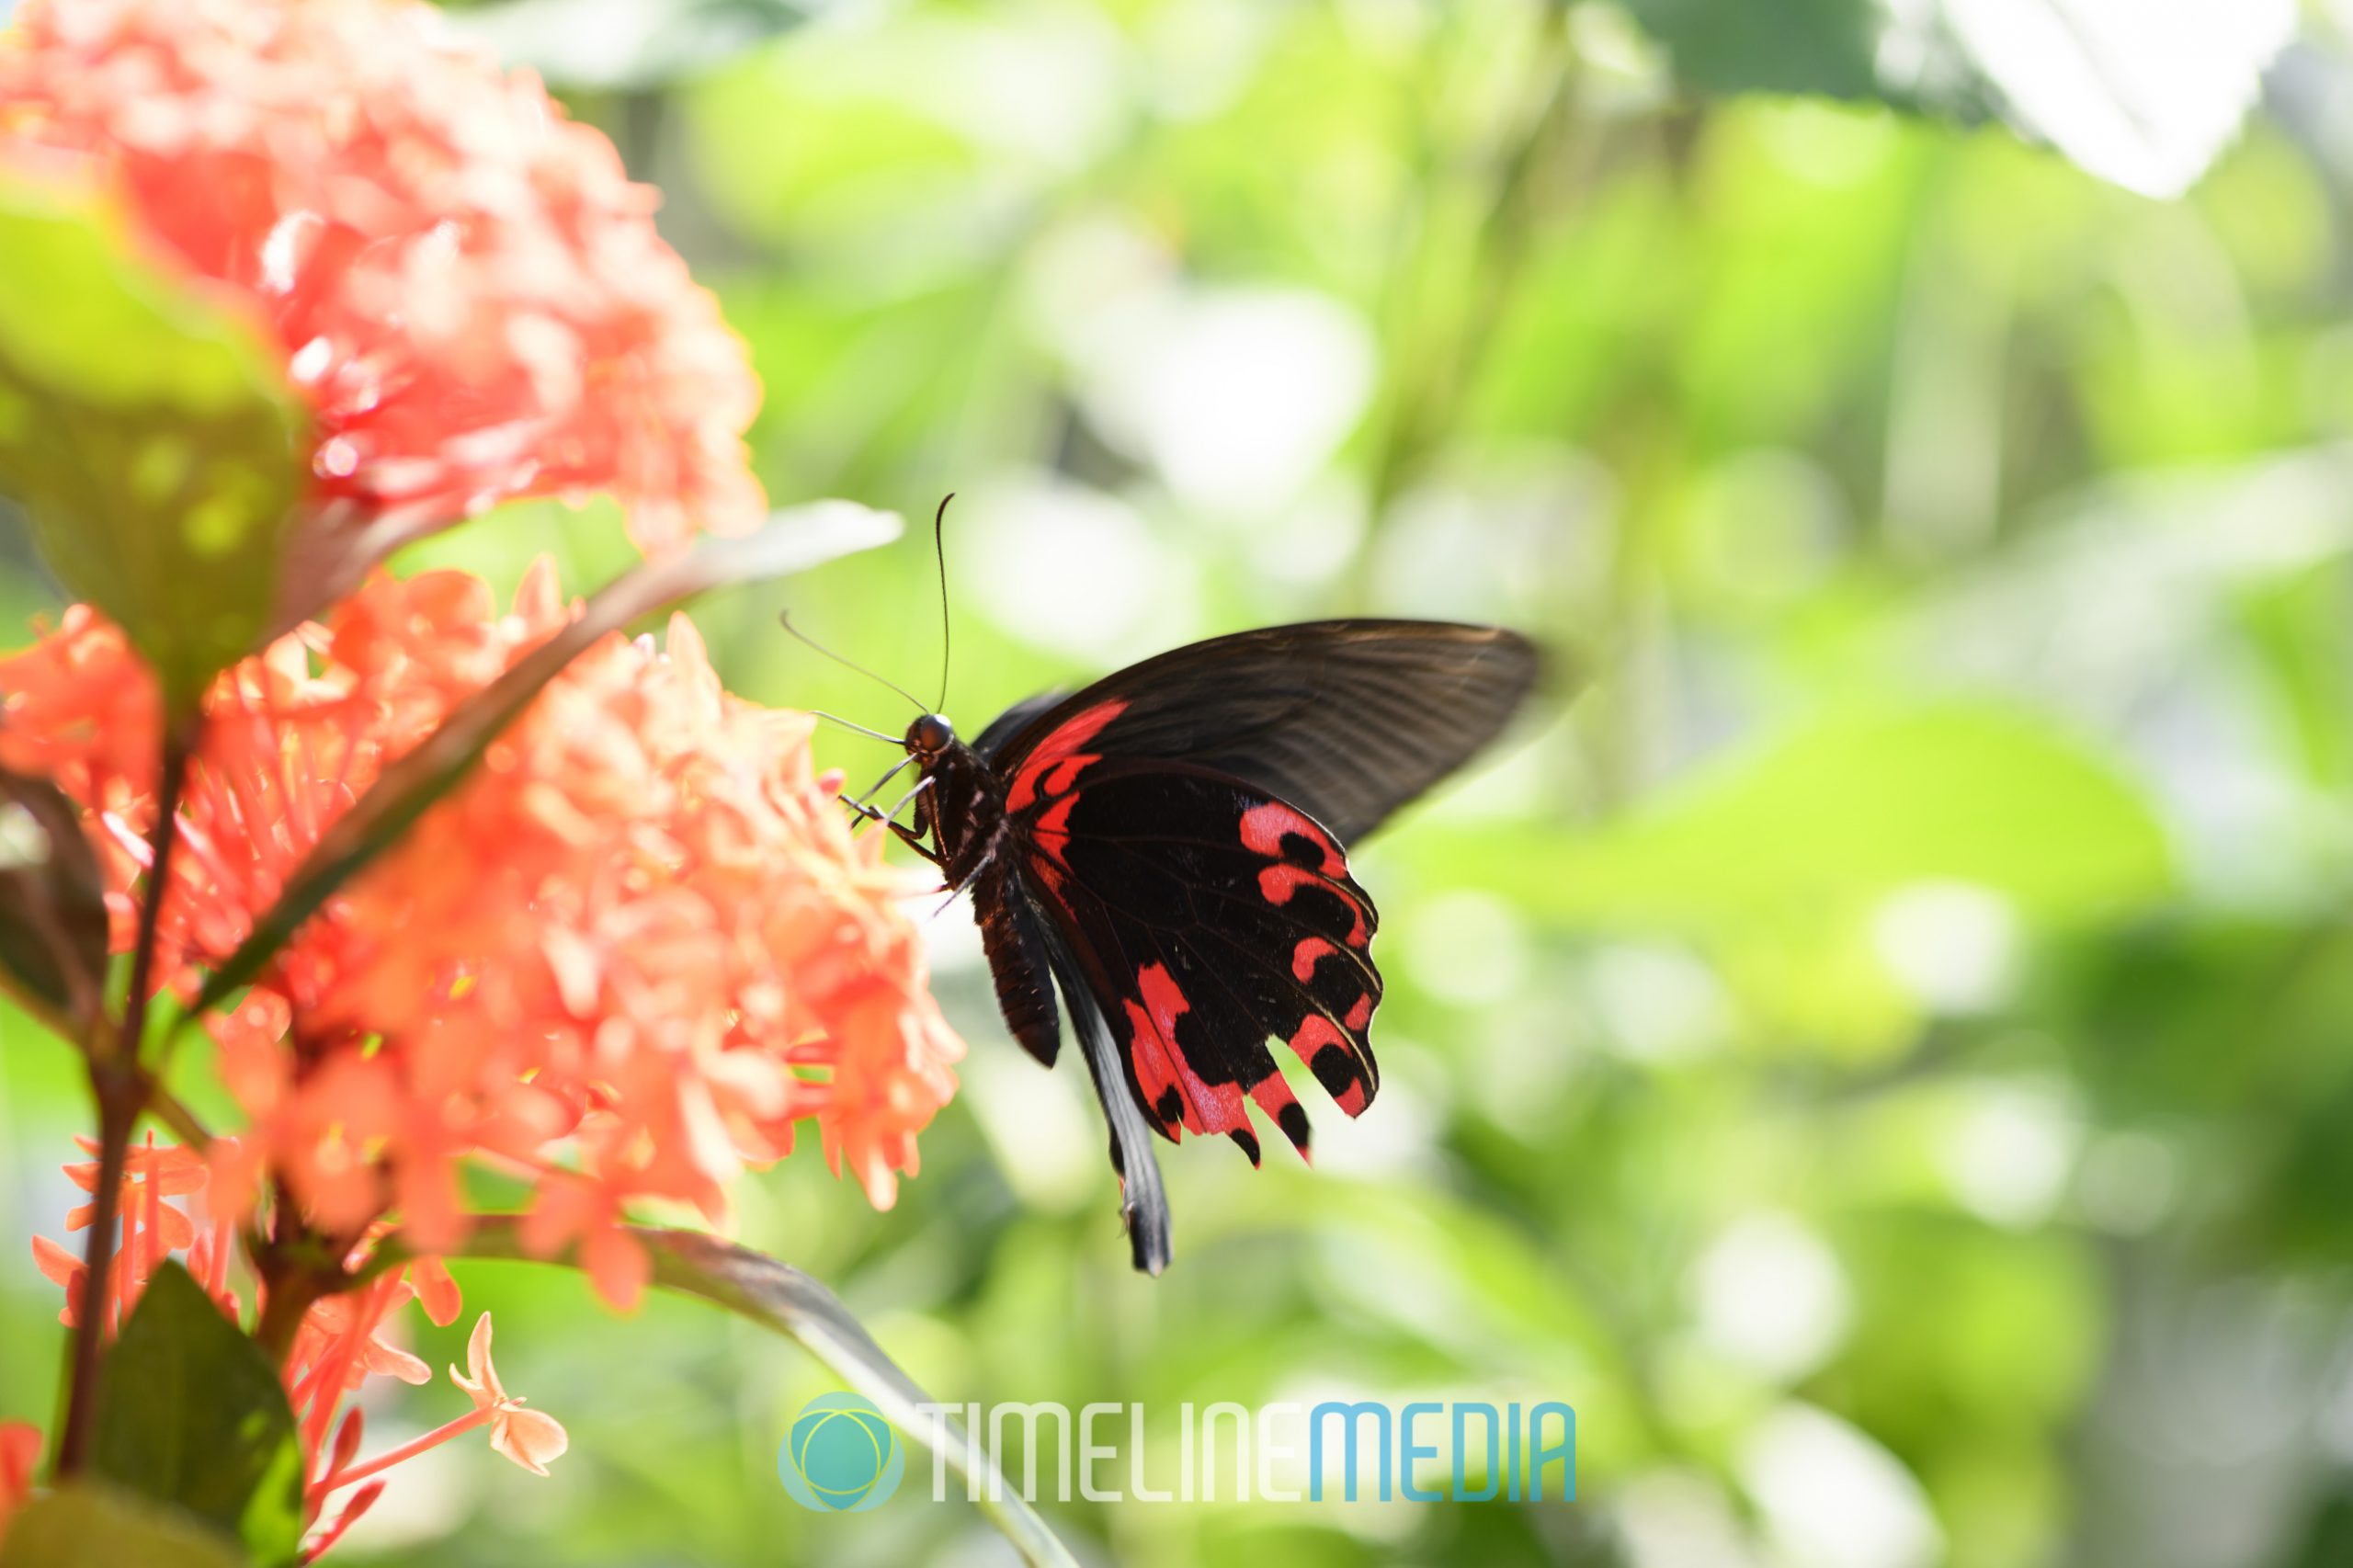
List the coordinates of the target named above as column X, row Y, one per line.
column 169, row 1109
column 408, row 1450
column 120, row 1085
column 296, row 1265
column 179, row 746
column 292, row 1293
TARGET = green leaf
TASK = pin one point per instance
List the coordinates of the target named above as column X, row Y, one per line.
column 793, row 540
column 99, row 1527
column 52, row 904
column 147, row 434
column 783, row 1300
column 192, row 1412
column 1848, row 810
column 1819, row 47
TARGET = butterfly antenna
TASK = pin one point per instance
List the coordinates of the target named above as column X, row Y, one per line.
column 835, row 717
column 940, row 553
column 784, row 619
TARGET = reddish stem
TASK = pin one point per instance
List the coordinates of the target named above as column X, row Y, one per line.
column 478, row 1416
column 121, row 1087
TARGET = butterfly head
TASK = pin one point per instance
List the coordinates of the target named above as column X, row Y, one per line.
column 930, row 735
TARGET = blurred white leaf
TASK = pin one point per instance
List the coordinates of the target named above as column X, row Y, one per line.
column 1238, row 397
column 1832, row 1498
column 1065, row 566
column 622, row 44
column 2143, row 95
column 1770, row 1295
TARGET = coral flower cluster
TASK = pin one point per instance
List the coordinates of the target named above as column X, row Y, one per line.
column 463, row 283
column 638, row 947
column 635, row 950
column 341, row 1343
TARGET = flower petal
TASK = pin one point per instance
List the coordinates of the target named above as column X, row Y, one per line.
column 530, row 1437
column 436, row 1291
column 385, row 1360
column 482, row 1387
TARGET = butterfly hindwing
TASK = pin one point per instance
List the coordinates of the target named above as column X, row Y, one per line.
column 1210, row 917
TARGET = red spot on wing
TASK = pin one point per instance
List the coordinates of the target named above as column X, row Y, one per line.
column 1160, row 1064
column 1052, row 830
column 1317, row 1032
column 1336, row 1061
column 1275, row 882
column 1056, row 762
column 1278, row 882
column 1282, row 1107
column 1359, row 1015
column 1304, row 957
column 1056, row 817
column 1052, row 875
column 1265, row 826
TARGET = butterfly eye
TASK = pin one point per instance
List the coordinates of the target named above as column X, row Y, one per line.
column 930, row 733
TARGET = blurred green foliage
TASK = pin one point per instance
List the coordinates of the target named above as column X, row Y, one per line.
column 1882, row 1054
column 151, row 446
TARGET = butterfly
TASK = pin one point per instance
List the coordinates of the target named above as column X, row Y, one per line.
column 1167, row 849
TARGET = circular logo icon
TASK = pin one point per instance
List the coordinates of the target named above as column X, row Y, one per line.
column 840, row 1455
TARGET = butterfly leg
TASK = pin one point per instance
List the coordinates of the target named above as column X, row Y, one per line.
column 863, row 805
column 899, row 830
column 896, row 769
column 915, row 841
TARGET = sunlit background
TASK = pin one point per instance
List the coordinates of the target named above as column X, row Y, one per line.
column 1883, row 1051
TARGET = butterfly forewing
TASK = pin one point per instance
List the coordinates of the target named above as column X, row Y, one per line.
column 1345, row 720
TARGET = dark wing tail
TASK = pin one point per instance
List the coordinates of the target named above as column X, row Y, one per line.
column 1144, row 1203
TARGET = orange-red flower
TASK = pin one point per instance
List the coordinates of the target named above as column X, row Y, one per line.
column 19, row 1458
column 631, row 954
column 153, row 1230
column 466, row 287
column 340, row 1342
column 530, row 1437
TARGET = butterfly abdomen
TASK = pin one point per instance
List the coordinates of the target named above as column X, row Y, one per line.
column 1017, row 961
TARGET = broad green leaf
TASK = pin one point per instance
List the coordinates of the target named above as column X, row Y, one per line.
column 1821, row 47
column 192, row 1414
column 793, row 540
column 1848, row 810
column 99, row 1527
column 52, row 904
column 785, row 1301
column 146, row 434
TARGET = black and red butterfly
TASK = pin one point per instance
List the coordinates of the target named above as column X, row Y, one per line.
column 1167, row 846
